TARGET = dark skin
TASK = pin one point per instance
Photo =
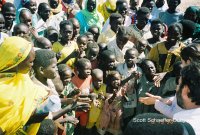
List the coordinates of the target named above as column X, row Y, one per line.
column 110, row 62
column 91, row 5
column 53, row 4
column 172, row 4
column 160, row 3
column 116, row 24
column 156, row 31
column 9, row 16
column 85, row 70
column 66, row 33
column 133, row 4
column 2, row 23
column 173, row 37
column 45, row 13
column 76, row 28
column 142, row 21
column 32, row 6
column 121, row 40
column 123, row 9
column 149, row 70
column 21, row 31
column 95, row 32
column 26, row 18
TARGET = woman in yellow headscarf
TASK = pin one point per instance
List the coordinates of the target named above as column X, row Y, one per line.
column 19, row 96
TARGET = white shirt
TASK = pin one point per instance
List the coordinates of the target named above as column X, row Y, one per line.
column 119, row 54
column 191, row 116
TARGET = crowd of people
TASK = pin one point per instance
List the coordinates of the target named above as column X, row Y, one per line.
column 99, row 67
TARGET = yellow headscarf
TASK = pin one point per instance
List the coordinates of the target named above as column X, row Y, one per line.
column 19, row 96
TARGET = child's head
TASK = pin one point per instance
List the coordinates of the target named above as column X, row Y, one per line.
column 92, row 51
column 21, row 30
column 177, row 69
column 123, row 35
column 160, row 3
column 133, row 4
column 43, row 43
column 76, row 27
column 83, row 67
column 141, row 45
column 174, row 33
column 82, row 41
column 25, row 17
column 192, row 13
column 157, row 28
column 31, row 5
column 45, row 64
column 130, row 57
column 108, row 60
column 173, row 4
column 97, row 78
column 90, row 37
column 95, row 31
column 53, row 3
column 142, row 17
column 150, row 4
column 44, row 11
column 148, row 67
column 9, row 12
column 65, row 73
column 113, row 80
column 2, row 22
column 122, row 7
column 116, row 20
column 52, row 34
column 66, row 30
column 91, row 5
column 47, row 127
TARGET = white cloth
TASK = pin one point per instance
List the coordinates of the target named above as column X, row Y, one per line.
column 191, row 116
column 168, row 110
column 119, row 54
column 106, row 26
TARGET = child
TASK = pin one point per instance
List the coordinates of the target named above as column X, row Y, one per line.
column 82, row 41
column 171, row 15
column 32, row 6
column 57, row 14
column 116, row 20
column 51, row 34
column 107, row 62
column 45, row 68
column 82, row 80
column 133, row 9
column 143, row 49
column 90, row 37
column 147, row 84
column 66, row 47
column 121, row 43
column 95, row 31
column 22, row 30
column 129, row 72
column 3, row 34
column 157, row 30
column 9, row 12
column 166, row 53
column 92, row 52
column 43, row 43
column 70, row 91
column 98, row 88
column 111, row 115
column 25, row 16
column 76, row 28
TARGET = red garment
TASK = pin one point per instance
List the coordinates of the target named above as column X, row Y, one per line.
column 2, row 2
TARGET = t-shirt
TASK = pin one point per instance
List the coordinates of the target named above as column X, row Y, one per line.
column 169, row 18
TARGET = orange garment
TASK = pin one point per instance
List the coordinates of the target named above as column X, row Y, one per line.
column 84, row 86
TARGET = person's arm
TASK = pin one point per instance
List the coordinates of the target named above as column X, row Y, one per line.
column 60, row 113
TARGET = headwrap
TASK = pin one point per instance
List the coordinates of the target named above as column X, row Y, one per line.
column 13, row 51
column 18, row 14
column 19, row 96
